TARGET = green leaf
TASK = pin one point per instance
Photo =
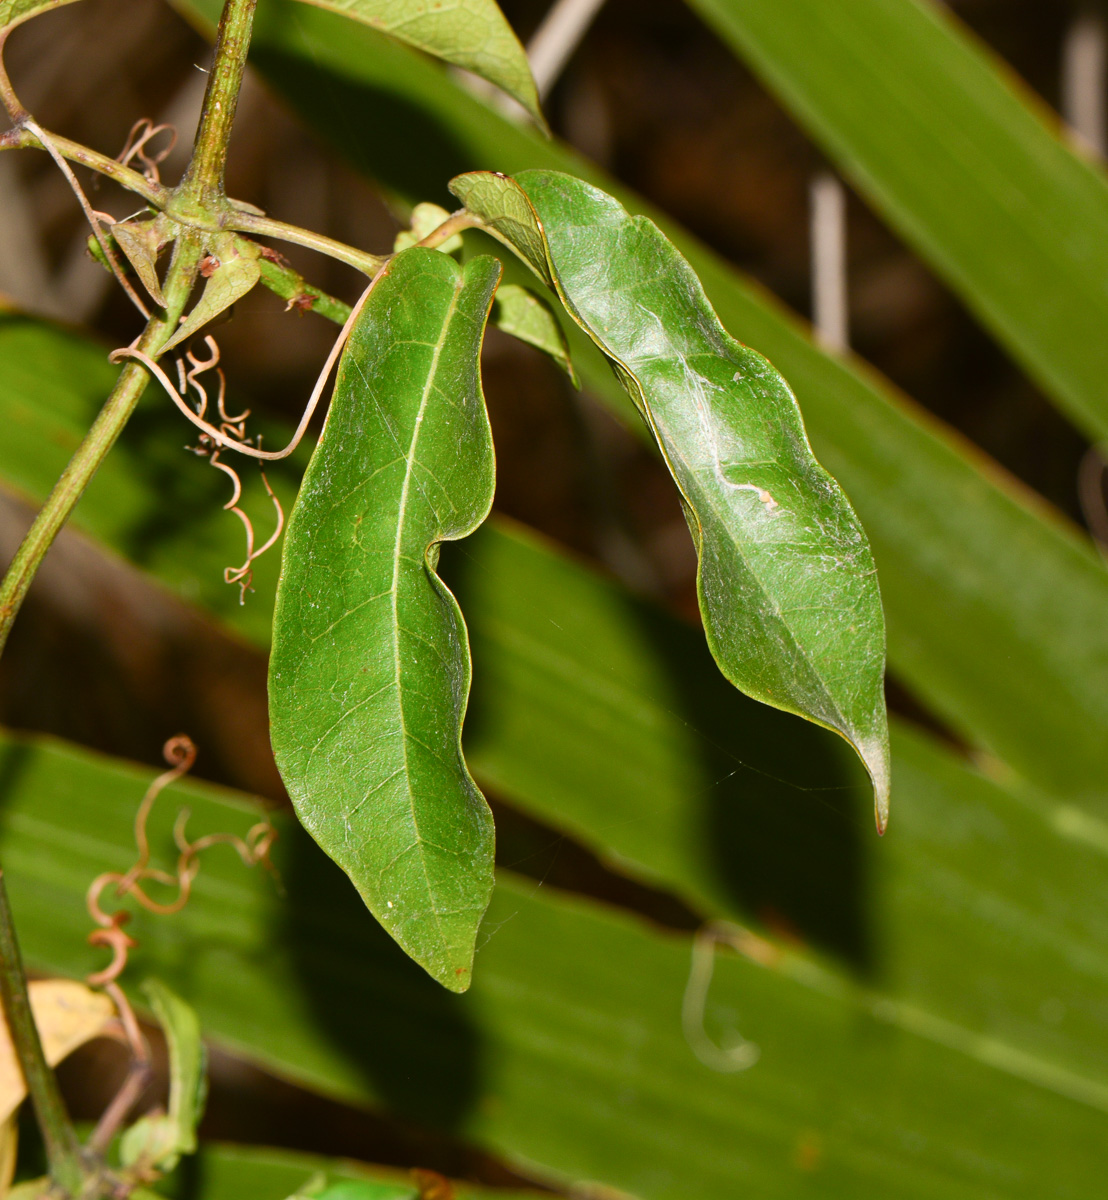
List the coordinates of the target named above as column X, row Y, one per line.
column 787, row 585
column 521, row 313
column 174, row 1134
column 369, row 674
column 426, row 218
column 140, row 241
column 568, row 1055
column 233, row 274
column 963, row 162
column 228, row 1172
column 15, row 12
column 972, row 565
column 471, row 34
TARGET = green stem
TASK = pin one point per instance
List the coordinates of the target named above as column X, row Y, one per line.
column 290, row 285
column 204, row 179
column 153, row 193
column 368, row 264
column 98, row 441
column 63, row 1151
column 8, row 98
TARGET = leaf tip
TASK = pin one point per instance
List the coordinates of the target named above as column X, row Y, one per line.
column 876, row 757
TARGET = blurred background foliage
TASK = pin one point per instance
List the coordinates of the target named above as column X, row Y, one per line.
column 106, row 659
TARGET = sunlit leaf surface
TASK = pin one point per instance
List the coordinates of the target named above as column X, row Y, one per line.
column 787, row 585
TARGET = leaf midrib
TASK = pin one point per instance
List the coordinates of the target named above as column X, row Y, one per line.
column 410, row 459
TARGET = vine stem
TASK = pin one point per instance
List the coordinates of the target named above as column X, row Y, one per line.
column 204, row 187
column 204, row 179
column 263, row 226
column 63, row 1152
column 98, row 441
column 21, row 138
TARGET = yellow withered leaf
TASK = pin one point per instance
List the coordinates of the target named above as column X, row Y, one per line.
column 67, row 1014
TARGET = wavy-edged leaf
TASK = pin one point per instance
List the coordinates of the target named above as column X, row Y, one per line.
column 568, row 1056
column 961, row 159
column 369, row 674
column 523, row 314
column 469, row 33
column 233, row 275
column 15, row 12
column 787, row 585
column 964, row 622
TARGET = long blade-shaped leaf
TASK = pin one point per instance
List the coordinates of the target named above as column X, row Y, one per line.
column 569, row 1054
column 972, row 566
column 787, row 585
column 228, row 1172
column 471, row 34
column 968, row 167
column 369, row 673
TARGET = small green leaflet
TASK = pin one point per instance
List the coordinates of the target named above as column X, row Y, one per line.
column 426, row 218
column 15, row 12
column 158, row 1141
column 469, row 33
column 140, row 242
column 369, row 674
column 524, row 315
column 787, row 586
column 233, row 274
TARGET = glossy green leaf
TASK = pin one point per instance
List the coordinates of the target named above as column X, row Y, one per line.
column 965, row 621
column 15, row 12
column 786, row 582
column 972, row 567
column 523, row 314
column 233, row 275
column 568, row 1055
column 965, row 163
column 369, row 674
column 469, row 33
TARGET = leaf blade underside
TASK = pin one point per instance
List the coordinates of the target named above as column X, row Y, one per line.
column 368, row 638
column 786, row 581
column 473, row 34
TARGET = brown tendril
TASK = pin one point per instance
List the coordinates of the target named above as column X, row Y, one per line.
column 180, row 753
column 223, row 438
column 95, row 219
column 231, row 426
column 142, row 133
